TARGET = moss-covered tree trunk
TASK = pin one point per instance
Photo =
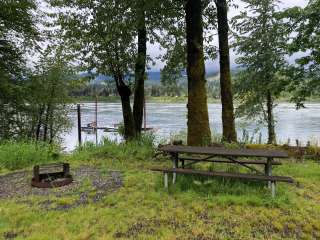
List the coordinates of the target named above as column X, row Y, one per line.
column 140, row 70
column 270, row 120
column 128, row 120
column 228, row 124
column 198, row 119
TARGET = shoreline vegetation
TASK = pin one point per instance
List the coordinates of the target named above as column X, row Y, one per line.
column 166, row 99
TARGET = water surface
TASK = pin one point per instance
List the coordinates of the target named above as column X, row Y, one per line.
column 168, row 119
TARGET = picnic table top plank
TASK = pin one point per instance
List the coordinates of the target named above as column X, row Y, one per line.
column 221, row 151
column 258, row 162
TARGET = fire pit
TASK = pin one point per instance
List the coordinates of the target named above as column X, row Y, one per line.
column 51, row 175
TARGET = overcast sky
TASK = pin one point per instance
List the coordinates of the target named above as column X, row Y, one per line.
column 153, row 50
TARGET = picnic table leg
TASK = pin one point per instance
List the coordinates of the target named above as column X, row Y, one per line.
column 166, row 180
column 268, row 170
column 273, row 189
column 175, row 161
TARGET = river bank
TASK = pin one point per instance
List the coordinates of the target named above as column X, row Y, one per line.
column 166, row 99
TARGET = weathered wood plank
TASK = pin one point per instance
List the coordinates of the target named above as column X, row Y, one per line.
column 226, row 175
column 258, row 162
column 221, row 151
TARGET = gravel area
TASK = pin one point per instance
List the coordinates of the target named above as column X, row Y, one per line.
column 89, row 185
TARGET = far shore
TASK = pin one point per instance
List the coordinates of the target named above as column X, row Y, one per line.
column 165, row 99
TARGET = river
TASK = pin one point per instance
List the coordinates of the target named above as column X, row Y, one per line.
column 168, row 119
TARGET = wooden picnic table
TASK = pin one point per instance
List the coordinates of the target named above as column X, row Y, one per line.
column 194, row 155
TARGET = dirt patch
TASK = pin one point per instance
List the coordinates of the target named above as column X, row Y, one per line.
column 148, row 227
column 89, row 185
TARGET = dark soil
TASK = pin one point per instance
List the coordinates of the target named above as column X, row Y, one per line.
column 89, row 185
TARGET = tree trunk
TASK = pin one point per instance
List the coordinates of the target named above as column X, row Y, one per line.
column 46, row 123
column 41, row 110
column 271, row 130
column 229, row 132
column 51, row 127
column 140, row 71
column 198, row 119
column 128, row 120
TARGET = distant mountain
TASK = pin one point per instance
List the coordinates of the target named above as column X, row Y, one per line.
column 152, row 76
column 155, row 76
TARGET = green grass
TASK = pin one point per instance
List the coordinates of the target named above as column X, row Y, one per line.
column 193, row 208
column 18, row 155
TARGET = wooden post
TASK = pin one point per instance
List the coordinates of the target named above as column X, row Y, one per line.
column 79, row 124
column 166, row 180
column 268, row 169
column 145, row 114
column 96, row 113
column 175, row 161
column 96, row 119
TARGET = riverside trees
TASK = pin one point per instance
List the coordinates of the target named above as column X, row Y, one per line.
column 110, row 37
column 18, row 33
column 104, row 34
column 198, row 120
column 261, row 45
column 305, row 72
column 33, row 96
column 134, row 17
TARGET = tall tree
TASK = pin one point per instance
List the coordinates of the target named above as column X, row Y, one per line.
column 303, row 23
column 103, row 34
column 261, row 46
column 18, row 33
column 140, row 67
column 49, row 85
column 151, row 17
column 198, row 119
column 228, row 120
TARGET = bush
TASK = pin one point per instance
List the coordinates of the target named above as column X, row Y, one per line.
column 18, row 155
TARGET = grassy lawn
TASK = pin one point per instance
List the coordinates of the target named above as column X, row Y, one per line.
column 194, row 208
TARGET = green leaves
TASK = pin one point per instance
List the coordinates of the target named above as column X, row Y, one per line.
column 260, row 43
column 305, row 28
column 18, row 33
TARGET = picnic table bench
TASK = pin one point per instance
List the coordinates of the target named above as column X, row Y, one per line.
column 193, row 155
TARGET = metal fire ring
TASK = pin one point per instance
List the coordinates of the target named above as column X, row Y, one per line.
column 47, row 176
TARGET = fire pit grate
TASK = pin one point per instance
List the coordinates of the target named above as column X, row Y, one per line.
column 51, row 175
